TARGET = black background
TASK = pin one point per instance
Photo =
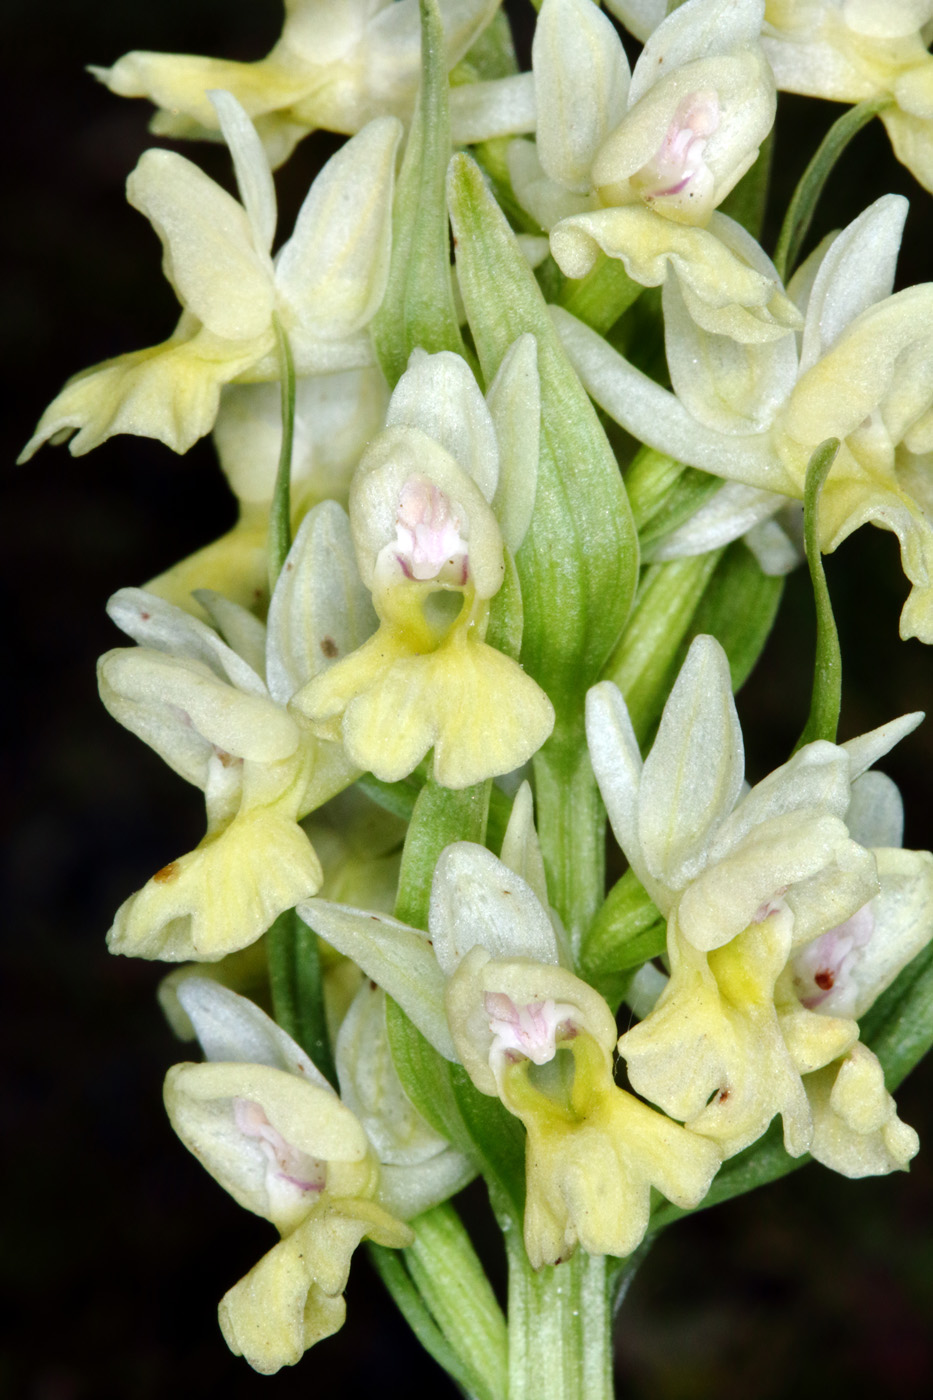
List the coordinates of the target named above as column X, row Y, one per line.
column 117, row 1246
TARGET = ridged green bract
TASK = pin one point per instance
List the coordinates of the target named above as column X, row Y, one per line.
column 578, row 564
column 418, row 307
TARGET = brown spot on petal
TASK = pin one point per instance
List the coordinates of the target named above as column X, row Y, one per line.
column 167, row 873
column 825, row 980
column 329, row 646
column 723, row 1096
column 145, row 616
column 226, row 759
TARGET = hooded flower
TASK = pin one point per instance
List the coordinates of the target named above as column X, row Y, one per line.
column 489, row 989
column 267, row 1125
column 853, row 50
column 745, row 880
column 862, row 372
column 437, row 496
column 336, row 66
column 213, row 703
column 323, row 287
column 636, row 166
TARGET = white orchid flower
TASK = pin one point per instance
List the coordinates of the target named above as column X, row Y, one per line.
column 324, row 286
column 750, row 882
column 854, row 50
column 488, row 990
column 216, row 711
column 862, row 372
column 268, row 1126
column 636, row 165
column 338, row 65
column 437, row 496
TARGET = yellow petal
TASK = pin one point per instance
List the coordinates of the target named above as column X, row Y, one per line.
column 223, row 895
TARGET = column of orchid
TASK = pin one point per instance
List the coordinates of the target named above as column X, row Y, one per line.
column 455, row 625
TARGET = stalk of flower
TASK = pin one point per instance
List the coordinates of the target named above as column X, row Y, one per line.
column 335, row 416
column 857, row 50
column 430, row 548
column 746, row 882
column 324, row 286
column 527, row 1030
column 336, row 66
column 863, row 373
column 272, row 1131
column 636, row 166
column 217, row 713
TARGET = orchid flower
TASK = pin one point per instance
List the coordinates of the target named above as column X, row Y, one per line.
column 748, row 881
column 336, row 66
column 322, row 289
column 268, row 1126
column 637, row 165
column 216, row 710
column 862, row 372
column 853, row 50
column 488, row 989
column 437, row 496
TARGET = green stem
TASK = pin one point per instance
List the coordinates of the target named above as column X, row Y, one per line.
column 602, row 295
column 826, row 696
column 297, row 988
column 806, row 196
column 571, row 822
column 560, row 1333
column 280, row 512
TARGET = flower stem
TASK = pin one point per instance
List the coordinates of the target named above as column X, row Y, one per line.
column 571, row 823
column 560, row 1336
column 280, row 512
column 802, row 207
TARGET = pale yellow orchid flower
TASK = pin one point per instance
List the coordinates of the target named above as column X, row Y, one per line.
column 267, row 1125
column 857, row 50
column 783, row 926
column 862, row 372
column 636, row 166
column 322, row 288
column 338, row 65
column 217, row 712
column 487, row 987
column 431, row 550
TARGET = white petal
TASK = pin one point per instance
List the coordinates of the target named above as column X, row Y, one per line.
column 331, row 275
column 241, row 629
column 521, row 850
column 866, row 750
column 581, row 80
column 320, row 610
column 727, row 516
column 515, row 405
column 152, row 622
column 477, row 901
column 232, row 1028
column 693, row 774
column 697, row 30
column 875, row 815
column 656, row 417
column 253, row 176
column 439, row 395
column 399, row 958
column 617, row 765
column 210, row 257
column 856, row 271
column 500, row 107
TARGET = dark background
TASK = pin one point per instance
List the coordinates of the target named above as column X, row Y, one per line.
column 117, row 1246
